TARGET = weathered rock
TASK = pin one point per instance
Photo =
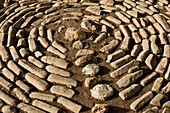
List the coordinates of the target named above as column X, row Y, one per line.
column 91, row 81
column 158, row 100
column 100, row 108
column 102, row 91
column 130, row 91
column 9, row 109
column 157, row 84
column 73, row 34
column 91, row 69
column 140, row 102
column 76, row 108
column 129, row 79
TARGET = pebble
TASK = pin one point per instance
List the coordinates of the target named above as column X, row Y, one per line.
column 76, row 108
column 42, row 96
column 92, row 81
column 130, row 91
column 45, row 106
column 129, row 79
column 9, row 109
column 159, row 99
column 102, row 91
column 91, row 69
column 140, row 102
column 63, row 91
column 157, row 84
column 100, row 108
column 78, row 44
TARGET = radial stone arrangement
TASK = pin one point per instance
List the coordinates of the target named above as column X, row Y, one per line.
column 107, row 56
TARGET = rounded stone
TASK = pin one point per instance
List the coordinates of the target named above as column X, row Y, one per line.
column 102, row 91
column 91, row 69
column 78, row 45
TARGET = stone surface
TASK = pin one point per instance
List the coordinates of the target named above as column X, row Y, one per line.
column 102, row 91
column 91, row 69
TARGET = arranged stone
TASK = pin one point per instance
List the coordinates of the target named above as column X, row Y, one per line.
column 166, row 89
column 149, row 79
column 83, row 60
column 59, row 46
column 167, row 74
column 92, row 81
column 63, row 91
column 135, row 51
column 42, row 96
column 6, row 84
column 166, row 51
column 9, row 109
column 166, row 110
column 130, row 91
column 142, row 56
column 166, row 104
column 102, row 91
column 110, row 47
column 22, row 85
column 140, row 102
column 157, row 84
column 78, row 45
column 56, row 52
column 155, row 49
column 126, row 43
column 101, row 37
column 133, row 69
column 45, row 106
column 151, row 61
column 151, row 110
column 129, row 79
column 76, row 108
column 83, row 52
column 62, row 80
column 91, row 69
column 100, row 108
column 158, row 100
column 114, row 56
column 162, row 65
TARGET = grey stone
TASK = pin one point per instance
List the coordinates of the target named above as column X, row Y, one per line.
column 91, row 69
column 102, row 91
column 129, row 79
column 91, row 81
column 130, row 91
column 158, row 100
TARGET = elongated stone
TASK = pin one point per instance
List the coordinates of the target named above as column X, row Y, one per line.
column 7, row 99
column 83, row 52
column 33, row 33
column 163, row 38
column 148, row 79
column 120, row 62
column 130, row 91
column 166, row 104
column 20, row 95
column 140, row 102
column 45, row 106
column 126, row 43
column 132, row 28
column 93, row 10
column 122, row 17
column 11, row 35
column 55, row 70
column 157, row 84
column 9, row 109
column 150, row 12
column 49, row 35
column 151, row 61
column 63, row 91
column 23, row 52
column 142, row 56
column 151, row 110
column 151, row 30
column 69, row 104
column 2, row 39
column 28, row 108
column 59, row 46
column 83, row 60
column 129, row 79
column 155, row 49
column 114, row 20
column 162, row 21
column 124, row 31
column 38, row 54
column 36, row 81
column 28, row 22
column 101, row 37
column 143, row 33
column 8, row 74
column 124, row 68
column 162, row 65
column 166, row 51
column 159, row 28
column 14, row 53
column 23, row 86
column 117, row 34
column 55, row 61
column 167, row 74
column 133, row 13
column 107, row 24
column 133, row 69
column 114, row 56
column 21, row 43
column 42, row 96
column 62, row 80
column 166, row 89
column 4, row 54
column 137, row 24
column 136, row 37
column 145, row 44
column 36, row 62
column 6, row 84
column 32, row 45
column 110, row 47
column 12, row 66
column 32, row 68
column 43, row 42
column 135, row 51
